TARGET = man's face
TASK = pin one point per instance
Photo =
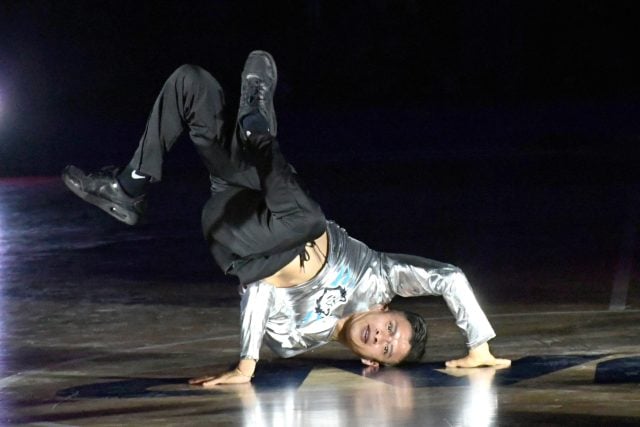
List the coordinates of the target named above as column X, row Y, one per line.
column 379, row 336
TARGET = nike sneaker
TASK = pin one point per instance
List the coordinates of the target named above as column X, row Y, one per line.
column 103, row 190
column 256, row 114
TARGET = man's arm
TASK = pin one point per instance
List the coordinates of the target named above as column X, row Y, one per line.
column 257, row 300
column 415, row 276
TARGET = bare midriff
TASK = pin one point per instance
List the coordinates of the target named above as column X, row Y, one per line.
column 296, row 273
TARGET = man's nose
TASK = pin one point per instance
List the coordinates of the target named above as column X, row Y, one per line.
column 381, row 338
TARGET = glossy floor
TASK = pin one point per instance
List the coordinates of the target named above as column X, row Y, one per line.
column 102, row 325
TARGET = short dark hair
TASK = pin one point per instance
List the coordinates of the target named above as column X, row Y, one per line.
column 418, row 338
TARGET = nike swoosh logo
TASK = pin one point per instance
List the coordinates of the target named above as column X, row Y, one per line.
column 134, row 175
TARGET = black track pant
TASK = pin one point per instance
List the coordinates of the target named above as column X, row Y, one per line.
column 258, row 217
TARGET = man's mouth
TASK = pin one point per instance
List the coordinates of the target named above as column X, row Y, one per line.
column 365, row 334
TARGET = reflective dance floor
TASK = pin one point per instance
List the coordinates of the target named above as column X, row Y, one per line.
column 103, row 324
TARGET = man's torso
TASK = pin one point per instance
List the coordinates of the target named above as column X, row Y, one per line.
column 299, row 270
column 304, row 316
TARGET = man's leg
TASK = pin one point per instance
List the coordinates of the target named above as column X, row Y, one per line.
column 254, row 233
column 191, row 98
column 257, row 228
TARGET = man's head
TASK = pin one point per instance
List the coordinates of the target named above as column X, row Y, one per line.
column 383, row 336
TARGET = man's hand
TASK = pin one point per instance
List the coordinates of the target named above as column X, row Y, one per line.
column 231, row 377
column 479, row 356
column 240, row 375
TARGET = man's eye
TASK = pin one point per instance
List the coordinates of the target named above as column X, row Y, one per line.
column 386, row 349
column 389, row 327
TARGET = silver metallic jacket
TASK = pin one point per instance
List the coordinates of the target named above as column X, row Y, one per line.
column 354, row 279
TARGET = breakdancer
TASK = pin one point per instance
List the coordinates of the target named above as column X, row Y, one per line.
column 304, row 281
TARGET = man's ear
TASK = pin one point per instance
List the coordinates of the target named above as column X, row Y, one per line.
column 369, row 362
column 380, row 307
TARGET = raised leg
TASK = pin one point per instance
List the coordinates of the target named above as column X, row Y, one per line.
column 252, row 233
column 190, row 98
column 259, row 220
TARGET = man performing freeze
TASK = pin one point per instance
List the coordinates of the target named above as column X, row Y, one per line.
column 303, row 280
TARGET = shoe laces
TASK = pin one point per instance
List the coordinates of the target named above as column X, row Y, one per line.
column 105, row 172
column 256, row 91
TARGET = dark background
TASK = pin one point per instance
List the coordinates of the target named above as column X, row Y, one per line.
column 498, row 135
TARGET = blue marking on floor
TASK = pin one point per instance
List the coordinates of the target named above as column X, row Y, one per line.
column 618, row 371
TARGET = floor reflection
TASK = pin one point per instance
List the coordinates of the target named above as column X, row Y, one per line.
column 479, row 402
column 4, row 251
column 387, row 400
column 4, row 248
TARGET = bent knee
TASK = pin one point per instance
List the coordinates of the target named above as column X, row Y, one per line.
column 308, row 223
column 314, row 220
column 194, row 74
column 317, row 223
column 189, row 70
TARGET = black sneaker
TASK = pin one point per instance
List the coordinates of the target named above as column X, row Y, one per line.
column 259, row 78
column 103, row 190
